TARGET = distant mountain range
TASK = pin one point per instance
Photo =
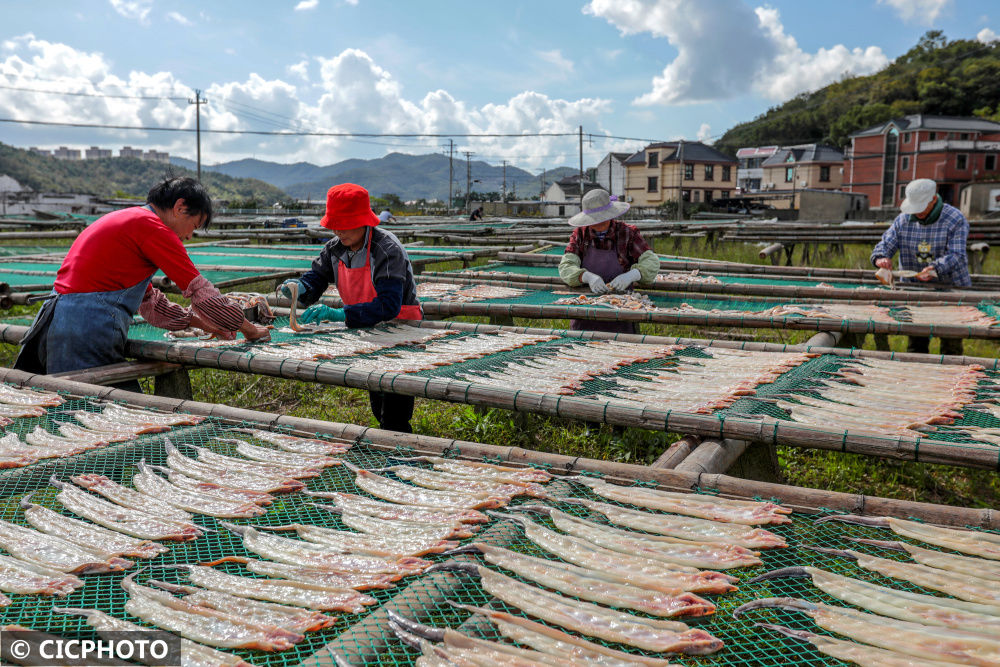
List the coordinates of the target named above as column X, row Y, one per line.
column 407, row 176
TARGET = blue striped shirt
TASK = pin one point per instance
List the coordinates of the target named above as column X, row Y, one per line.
column 941, row 243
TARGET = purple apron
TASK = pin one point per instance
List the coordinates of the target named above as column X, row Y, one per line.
column 603, row 263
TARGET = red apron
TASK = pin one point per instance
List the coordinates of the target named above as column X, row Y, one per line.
column 355, row 286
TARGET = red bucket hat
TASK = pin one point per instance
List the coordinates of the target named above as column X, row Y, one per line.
column 348, row 207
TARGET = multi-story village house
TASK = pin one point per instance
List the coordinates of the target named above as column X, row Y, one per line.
column 953, row 151
column 672, row 170
column 809, row 166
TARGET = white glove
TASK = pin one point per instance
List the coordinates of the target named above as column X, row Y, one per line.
column 622, row 282
column 596, row 283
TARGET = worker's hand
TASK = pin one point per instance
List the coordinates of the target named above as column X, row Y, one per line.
column 285, row 288
column 317, row 313
column 595, row 282
column 622, row 282
column 255, row 332
column 209, row 327
column 884, row 263
column 927, row 273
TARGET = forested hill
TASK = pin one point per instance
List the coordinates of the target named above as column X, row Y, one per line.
column 118, row 176
column 938, row 77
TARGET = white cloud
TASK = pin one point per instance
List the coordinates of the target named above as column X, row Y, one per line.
column 353, row 3
column 355, row 94
column 300, row 69
column 560, row 63
column 917, row 11
column 134, row 9
column 178, row 17
column 306, row 5
column 725, row 49
column 704, row 132
column 986, row 36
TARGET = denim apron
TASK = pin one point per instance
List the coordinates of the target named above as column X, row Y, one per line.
column 76, row 331
column 605, row 264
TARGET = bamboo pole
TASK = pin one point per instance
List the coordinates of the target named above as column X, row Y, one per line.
column 799, row 498
column 713, row 456
column 676, row 452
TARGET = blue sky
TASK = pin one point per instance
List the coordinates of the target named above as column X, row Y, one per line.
column 649, row 69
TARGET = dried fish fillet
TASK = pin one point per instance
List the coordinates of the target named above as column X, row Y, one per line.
column 126, row 497
column 216, row 474
column 106, row 543
column 858, row 654
column 386, row 544
column 314, row 575
column 143, row 417
column 274, row 469
column 19, row 576
column 65, row 446
column 433, row 479
column 193, row 654
column 218, row 490
column 17, row 396
column 404, row 494
column 293, row 443
column 480, row 470
column 297, row 593
column 55, row 553
column 122, row 519
column 376, row 508
column 201, row 624
column 271, row 455
column 148, row 482
column 16, row 411
column 112, row 426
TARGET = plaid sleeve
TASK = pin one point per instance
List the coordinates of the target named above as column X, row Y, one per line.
column 955, row 257
column 576, row 243
column 889, row 244
column 636, row 244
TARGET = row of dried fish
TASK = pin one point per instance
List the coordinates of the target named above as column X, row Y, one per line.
column 447, row 352
column 456, row 293
column 905, row 627
column 354, row 342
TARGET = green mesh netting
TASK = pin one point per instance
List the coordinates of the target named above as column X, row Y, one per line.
column 363, row 638
column 10, row 251
column 274, row 261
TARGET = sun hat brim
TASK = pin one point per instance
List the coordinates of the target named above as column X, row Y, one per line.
column 912, row 206
column 597, row 216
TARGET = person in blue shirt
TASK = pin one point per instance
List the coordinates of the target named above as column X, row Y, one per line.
column 930, row 237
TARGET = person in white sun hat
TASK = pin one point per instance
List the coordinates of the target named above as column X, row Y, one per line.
column 606, row 254
column 930, row 237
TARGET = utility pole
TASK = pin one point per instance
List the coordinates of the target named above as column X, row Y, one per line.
column 451, row 172
column 680, row 188
column 468, row 178
column 541, row 184
column 581, row 168
column 197, row 102
column 504, row 193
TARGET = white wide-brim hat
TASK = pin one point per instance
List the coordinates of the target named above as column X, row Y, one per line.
column 598, row 207
column 919, row 194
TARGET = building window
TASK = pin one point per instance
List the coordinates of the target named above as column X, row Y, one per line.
column 652, row 184
column 904, row 163
column 653, row 160
column 697, row 196
column 964, row 136
column 932, row 136
column 689, row 172
column 789, row 174
column 727, row 173
column 889, row 167
column 562, row 211
column 709, row 172
column 902, row 191
column 685, row 195
column 725, row 194
column 906, row 137
column 990, row 163
column 708, row 196
column 961, row 161
column 824, row 173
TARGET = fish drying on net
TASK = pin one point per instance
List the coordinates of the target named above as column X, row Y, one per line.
column 59, row 445
column 966, row 316
column 193, row 654
column 591, row 585
column 14, row 453
column 280, row 456
column 131, row 498
column 126, row 520
column 630, row 301
column 274, row 469
column 454, row 519
column 968, row 565
column 309, row 595
column 114, row 426
column 295, row 619
column 903, row 605
column 141, row 417
column 858, row 654
column 219, row 474
column 201, row 624
column 636, row 570
column 148, row 482
column 683, row 527
column 19, row 576
column 106, row 543
column 455, row 293
column 404, row 494
column 9, row 412
column 706, row 555
column 298, row 552
column 386, row 544
column 299, row 445
column 746, row 512
column 480, row 469
column 916, row 639
column 691, row 278
column 839, row 311
column 976, row 543
column 549, row 640
column 599, row 622
column 55, row 553
column 434, row 479
column 309, row 574
column 447, row 352
column 229, row 493
column 10, row 395
column 373, row 525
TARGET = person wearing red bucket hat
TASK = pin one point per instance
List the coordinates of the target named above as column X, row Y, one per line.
column 372, row 274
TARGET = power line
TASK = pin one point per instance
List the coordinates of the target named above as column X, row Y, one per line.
column 80, row 94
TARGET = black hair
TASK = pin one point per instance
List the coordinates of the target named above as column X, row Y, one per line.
column 196, row 200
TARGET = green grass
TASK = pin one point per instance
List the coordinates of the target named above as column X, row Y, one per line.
column 802, row 467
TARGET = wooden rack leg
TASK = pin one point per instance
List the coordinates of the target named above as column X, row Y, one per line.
column 174, row 385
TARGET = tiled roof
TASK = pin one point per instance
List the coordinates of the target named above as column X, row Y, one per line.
column 805, row 153
column 926, row 122
column 694, row 151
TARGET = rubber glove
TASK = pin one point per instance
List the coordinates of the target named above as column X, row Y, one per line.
column 317, row 313
column 928, row 273
column 884, row 263
column 622, row 282
column 286, row 287
column 596, row 283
